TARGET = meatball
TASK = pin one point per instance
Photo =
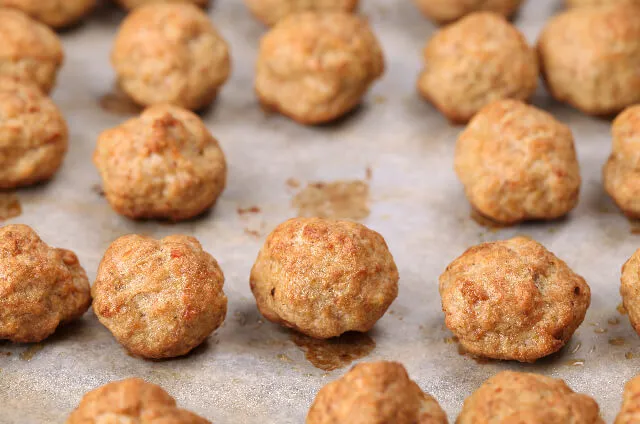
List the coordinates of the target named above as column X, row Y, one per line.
column 316, row 67
column 131, row 4
column 54, row 13
column 630, row 289
column 29, row 51
column 444, row 11
column 33, row 134
column 41, row 286
column 581, row 3
column 590, row 55
column 630, row 411
column 375, row 393
column 159, row 298
column 170, row 53
column 523, row 398
column 271, row 11
column 518, row 163
column 621, row 173
column 324, row 277
column 131, row 401
column 164, row 164
column 512, row 300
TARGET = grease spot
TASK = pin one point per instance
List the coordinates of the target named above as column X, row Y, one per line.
column 31, row 351
column 629, row 355
column 284, row 358
column 249, row 210
column 613, row 321
column 621, row 309
column 617, row 341
column 292, row 183
column 97, row 189
column 576, row 348
column 335, row 353
column 10, row 206
column 339, row 200
column 575, row 363
column 599, row 330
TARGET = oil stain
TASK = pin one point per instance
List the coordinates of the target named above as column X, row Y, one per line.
column 249, row 210
column 617, row 341
column 575, row 363
column 119, row 103
column 31, row 351
column 613, row 321
column 10, row 206
column 599, row 330
column 629, row 355
column 97, row 189
column 621, row 309
column 335, row 353
column 485, row 222
column 284, row 358
column 339, row 200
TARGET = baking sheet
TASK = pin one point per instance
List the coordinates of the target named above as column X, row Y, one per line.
column 251, row 371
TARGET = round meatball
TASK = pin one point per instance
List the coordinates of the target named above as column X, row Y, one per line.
column 621, row 173
column 54, row 13
column 518, row 163
column 582, row 3
column 29, row 51
column 316, row 67
column 479, row 59
column 164, row 164
column 590, row 55
column 33, row 135
column 630, row 289
column 444, row 11
column 271, row 11
column 41, row 286
column 132, row 4
column 131, row 401
column 630, row 411
column 375, row 393
column 159, row 298
column 512, row 300
column 523, row 398
column 170, row 53
column 324, row 277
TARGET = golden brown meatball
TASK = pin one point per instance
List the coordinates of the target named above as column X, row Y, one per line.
column 33, row 134
column 163, row 164
column 512, row 300
column 324, row 277
column 523, row 398
column 582, row 3
column 590, row 55
column 375, row 393
column 621, row 173
column 41, row 286
column 271, row 11
column 630, row 410
column 479, row 59
column 159, row 298
column 518, row 163
column 630, row 289
column 29, row 51
column 315, row 67
column 170, row 53
column 132, row 4
column 443, row 11
column 131, row 401
column 54, row 13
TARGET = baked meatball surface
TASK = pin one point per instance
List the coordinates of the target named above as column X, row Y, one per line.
column 29, row 50
column 523, row 398
column 170, row 53
column 444, row 11
column 512, row 300
column 630, row 410
column 475, row 61
column 41, row 286
column 54, row 13
column 581, row 3
column 33, row 134
column 621, row 173
column 131, row 4
column 375, row 393
column 159, row 298
column 271, row 11
column 324, row 277
column 164, row 164
column 315, row 67
column 630, row 289
column 131, row 401
column 518, row 163
column 590, row 55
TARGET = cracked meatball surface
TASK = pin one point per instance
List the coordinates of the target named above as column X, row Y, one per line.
column 41, row 286
column 590, row 55
column 29, row 50
column 475, row 61
column 272, row 11
column 33, row 135
column 159, row 298
column 621, row 173
column 518, row 163
column 131, row 401
column 512, row 300
column 316, row 67
column 170, row 53
column 375, row 393
column 132, row 4
column 324, row 277
column 444, row 11
column 164, row 164
column 524, row 398
column 630, row 410
column 54, row 13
